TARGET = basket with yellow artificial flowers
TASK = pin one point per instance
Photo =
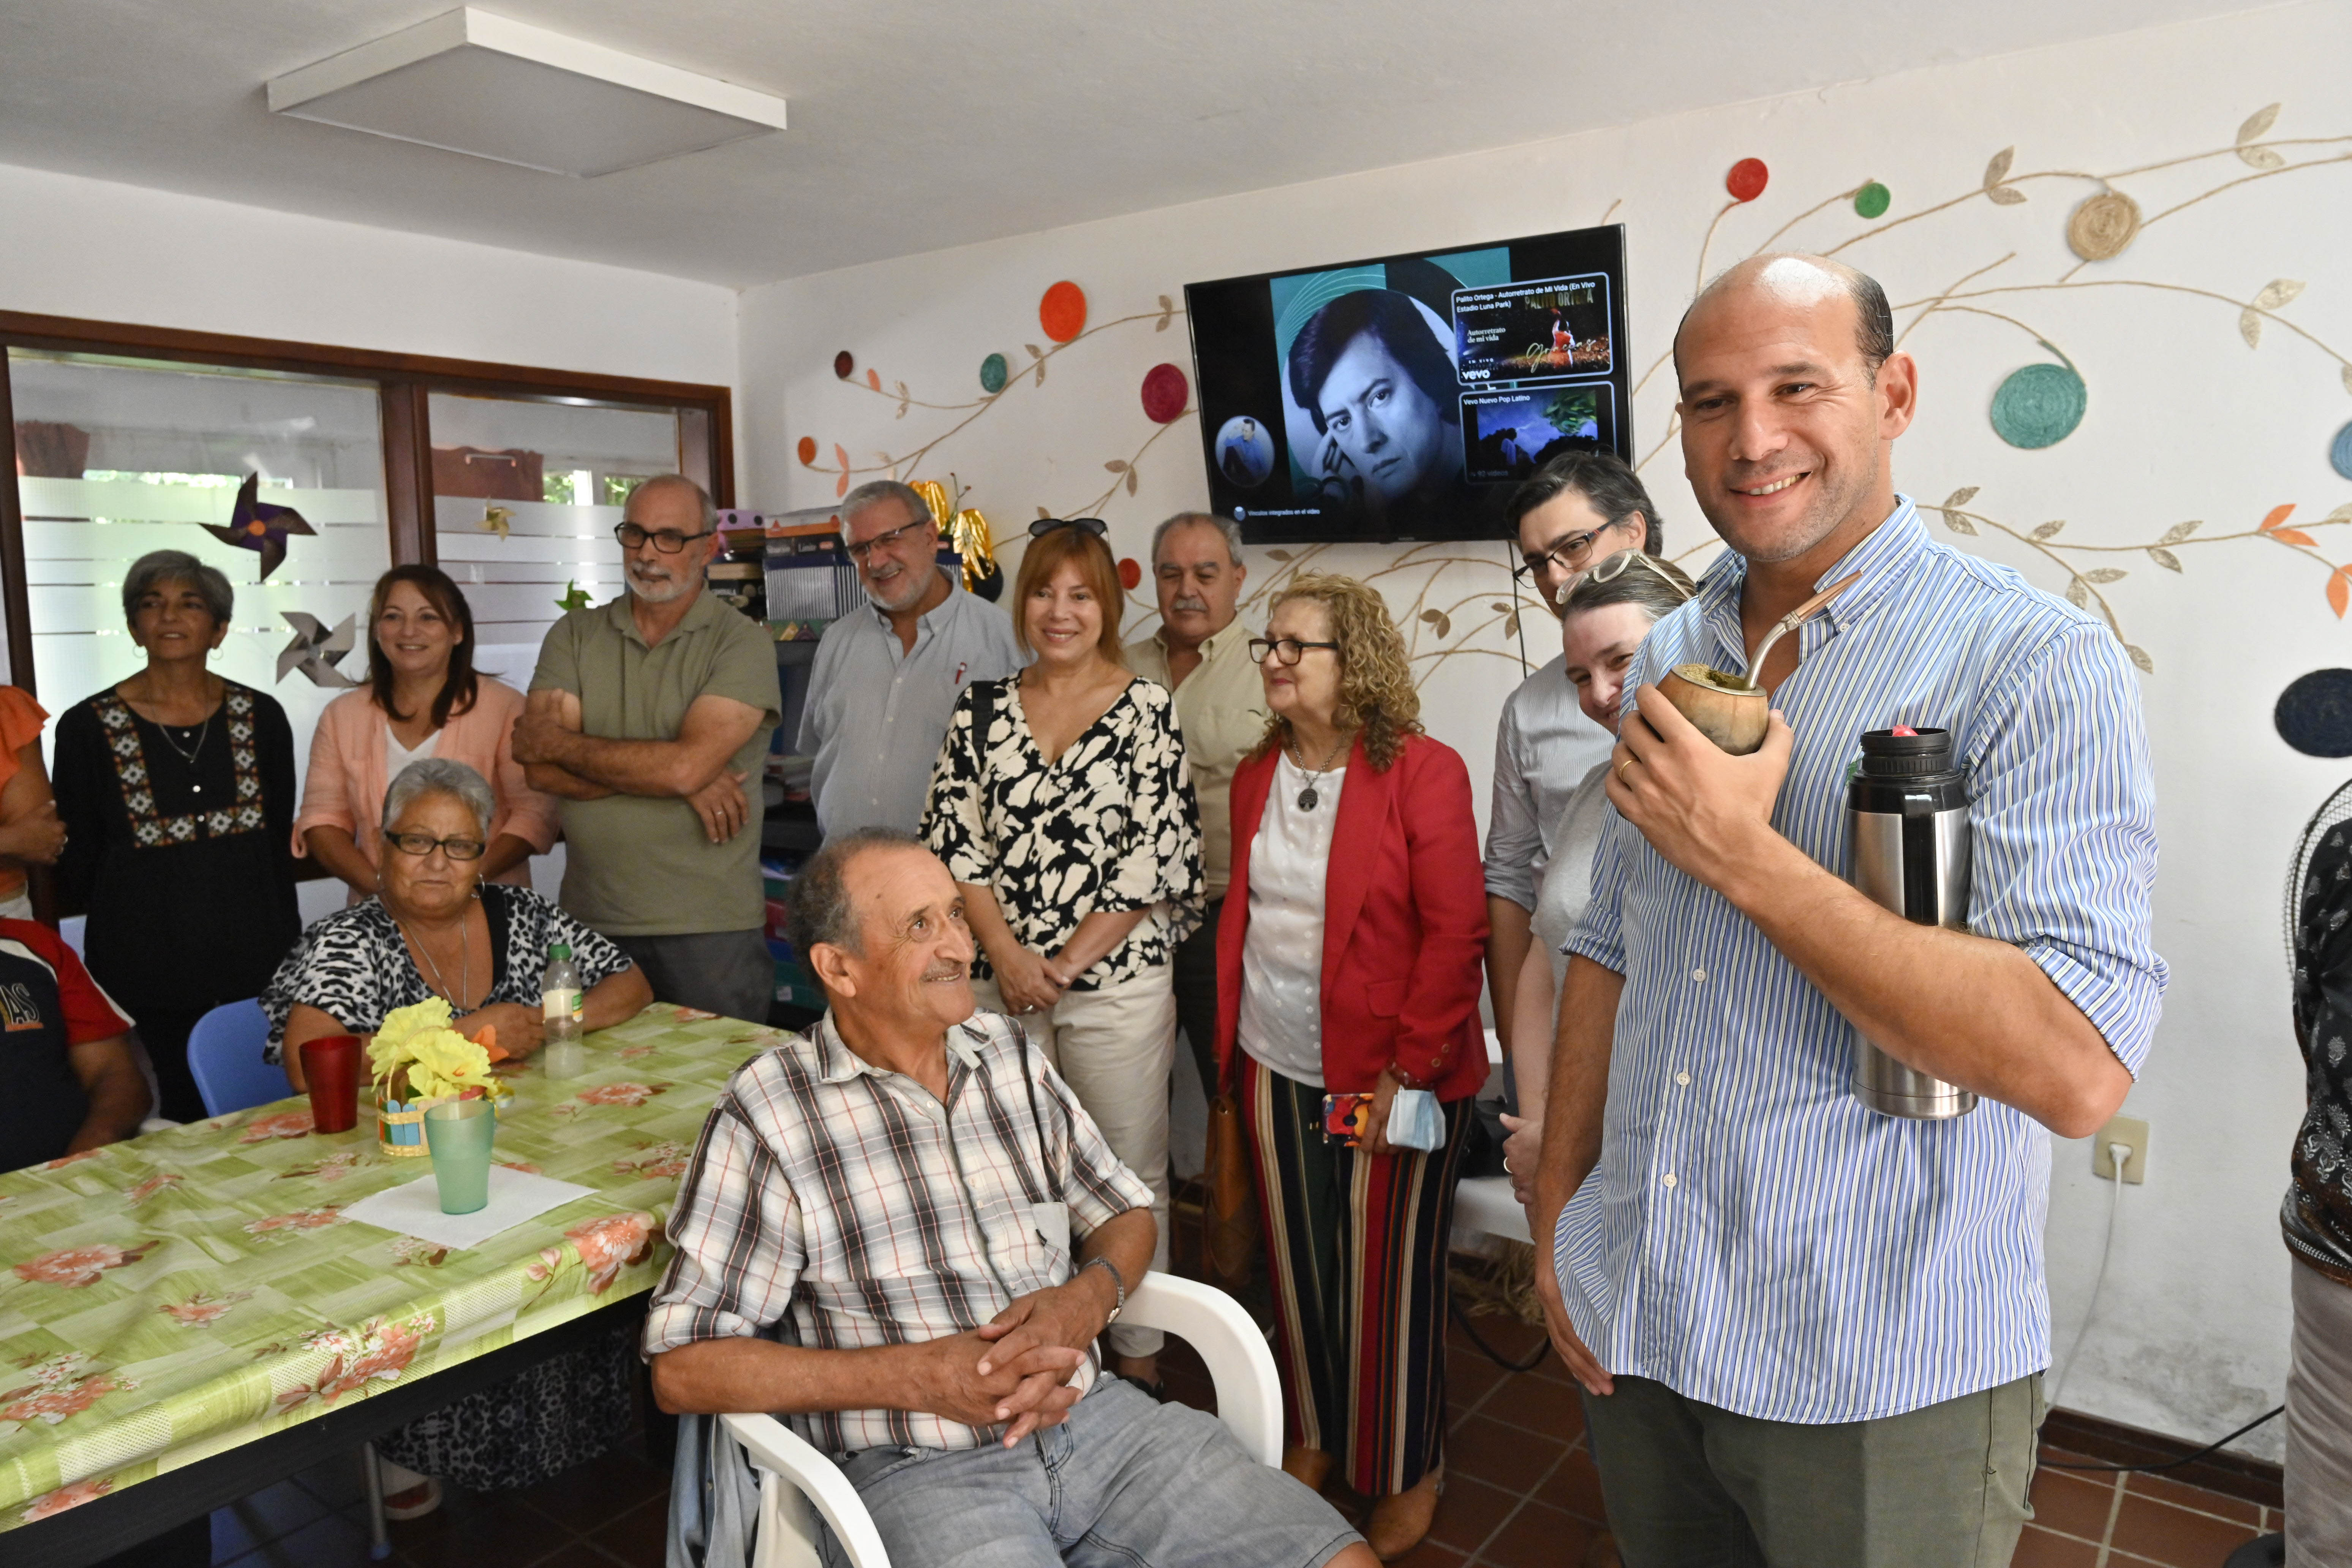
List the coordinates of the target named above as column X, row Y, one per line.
column 417, row 1061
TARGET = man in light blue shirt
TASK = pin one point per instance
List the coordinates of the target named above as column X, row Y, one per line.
column 1809, row 1334
column 886, row 677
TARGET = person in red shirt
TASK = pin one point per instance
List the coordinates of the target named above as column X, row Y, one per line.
column 70, row 1080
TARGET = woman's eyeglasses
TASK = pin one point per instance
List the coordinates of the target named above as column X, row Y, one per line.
column 1289, row 650
column 1609, row 571
column 668, row 540
column 420, row 844
column 1045, row 525
column 1567, row 555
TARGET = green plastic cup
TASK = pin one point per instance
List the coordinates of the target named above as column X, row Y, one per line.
column 459, row 1132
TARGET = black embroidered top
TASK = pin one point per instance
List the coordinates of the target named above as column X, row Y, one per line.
column 1108, row 825
column 2317, row 1214
column 179, row 847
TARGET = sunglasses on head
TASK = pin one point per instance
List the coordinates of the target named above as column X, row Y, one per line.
column 1045, row 525
column 1614, row 567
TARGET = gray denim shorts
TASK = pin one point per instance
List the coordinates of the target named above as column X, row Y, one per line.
column 1125, row 1480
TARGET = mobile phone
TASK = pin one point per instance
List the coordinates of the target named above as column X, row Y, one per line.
column 1346, row 1117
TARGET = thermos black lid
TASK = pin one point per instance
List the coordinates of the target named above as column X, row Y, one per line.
column 1886, row 754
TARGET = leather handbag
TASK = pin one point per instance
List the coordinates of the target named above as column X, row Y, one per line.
column 1230, row 1225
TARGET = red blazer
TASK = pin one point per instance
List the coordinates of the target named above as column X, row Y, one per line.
column 1405, row 922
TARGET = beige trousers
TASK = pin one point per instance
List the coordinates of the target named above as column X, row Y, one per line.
column 2319, row 1424
column 1115, row 1047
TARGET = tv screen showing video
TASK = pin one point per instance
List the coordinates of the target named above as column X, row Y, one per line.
column 1403, row 397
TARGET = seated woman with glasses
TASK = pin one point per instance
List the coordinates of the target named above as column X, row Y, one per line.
column 1348, row 966
column 436, row 929
column 423, row 698
column 1066, row 815
column 1609, row 611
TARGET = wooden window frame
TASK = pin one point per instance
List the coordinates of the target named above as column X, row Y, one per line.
column 405, row 384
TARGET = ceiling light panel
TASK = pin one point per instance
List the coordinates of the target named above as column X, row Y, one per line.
column 470, row 83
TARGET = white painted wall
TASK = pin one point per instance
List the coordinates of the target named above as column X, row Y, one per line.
column 2185, row 422
column 77, row 247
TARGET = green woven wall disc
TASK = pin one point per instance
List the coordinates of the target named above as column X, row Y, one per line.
column 2039, row 406
column 1872, row 200
column 993, row 373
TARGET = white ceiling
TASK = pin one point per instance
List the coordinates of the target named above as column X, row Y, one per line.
column 918, row 126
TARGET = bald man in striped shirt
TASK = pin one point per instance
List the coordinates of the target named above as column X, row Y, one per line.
column 1809, row 1334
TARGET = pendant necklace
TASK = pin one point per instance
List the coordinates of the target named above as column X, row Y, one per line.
column 1307, row 797
column 193, row 752
column 465, row 966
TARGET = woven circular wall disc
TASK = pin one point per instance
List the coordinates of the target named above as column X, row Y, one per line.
column 2103, row 225
column 2039, row 406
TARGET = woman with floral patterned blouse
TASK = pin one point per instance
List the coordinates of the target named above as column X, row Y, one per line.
column 1069, row 821
column 177, row 791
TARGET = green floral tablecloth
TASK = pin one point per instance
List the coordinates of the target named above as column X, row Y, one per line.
column 166, row 1299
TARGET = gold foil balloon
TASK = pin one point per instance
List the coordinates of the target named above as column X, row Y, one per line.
column 966, row 531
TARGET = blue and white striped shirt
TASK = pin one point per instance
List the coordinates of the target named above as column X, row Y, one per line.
column 1753, row 1237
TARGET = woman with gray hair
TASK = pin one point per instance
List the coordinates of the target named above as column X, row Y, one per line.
column 176, row 788
column 435, row 928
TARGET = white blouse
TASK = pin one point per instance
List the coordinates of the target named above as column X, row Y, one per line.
column 397, row 756
column 1282, row 957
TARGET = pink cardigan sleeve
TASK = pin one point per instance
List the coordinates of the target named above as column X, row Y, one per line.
column 327, row 790
column 522, row 811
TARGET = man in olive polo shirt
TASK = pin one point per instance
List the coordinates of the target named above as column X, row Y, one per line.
column 648, row 718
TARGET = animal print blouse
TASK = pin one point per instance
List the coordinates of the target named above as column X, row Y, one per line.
column 1109, row 824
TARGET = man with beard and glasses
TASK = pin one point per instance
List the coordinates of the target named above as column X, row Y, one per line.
column 1809, row 1332
column 885, row 684
column 647, row 720
column 1201, row 653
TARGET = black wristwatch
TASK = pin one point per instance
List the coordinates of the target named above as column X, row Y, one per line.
column 1117, row 1284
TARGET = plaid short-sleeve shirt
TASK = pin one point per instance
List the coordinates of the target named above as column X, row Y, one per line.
column 833, row 1205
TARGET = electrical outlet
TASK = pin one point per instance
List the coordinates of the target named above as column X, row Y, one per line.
column 2122, row 1130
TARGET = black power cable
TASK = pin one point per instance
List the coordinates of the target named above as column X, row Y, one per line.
column 2171, row 1464
column 1543, row 1347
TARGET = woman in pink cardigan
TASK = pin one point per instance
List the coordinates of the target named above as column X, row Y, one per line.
column 423, row 698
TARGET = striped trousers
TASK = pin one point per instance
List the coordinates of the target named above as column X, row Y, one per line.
column 1357, row 1245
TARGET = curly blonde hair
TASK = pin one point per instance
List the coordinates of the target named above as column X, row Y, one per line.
column 1376, row 690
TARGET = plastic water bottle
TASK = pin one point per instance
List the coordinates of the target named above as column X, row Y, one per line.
column 561, row 1015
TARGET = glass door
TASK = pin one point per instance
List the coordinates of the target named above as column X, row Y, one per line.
column 117, row 456
column 526, row 495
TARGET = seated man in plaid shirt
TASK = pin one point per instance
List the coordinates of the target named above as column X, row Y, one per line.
column 901, row 1232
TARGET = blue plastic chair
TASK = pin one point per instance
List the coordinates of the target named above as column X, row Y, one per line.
column 225, row 1058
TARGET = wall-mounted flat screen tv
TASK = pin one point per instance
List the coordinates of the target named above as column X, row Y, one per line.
column 1403, row 397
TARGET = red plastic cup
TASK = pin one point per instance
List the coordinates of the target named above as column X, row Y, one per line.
column 331, row 1063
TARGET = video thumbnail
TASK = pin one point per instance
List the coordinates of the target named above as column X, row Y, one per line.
column 1546, row 329
column 1508, row 435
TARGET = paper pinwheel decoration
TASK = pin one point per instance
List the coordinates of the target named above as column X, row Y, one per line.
column 315, row 650
column 257, row 525
column 575, row 597
column 498, row 519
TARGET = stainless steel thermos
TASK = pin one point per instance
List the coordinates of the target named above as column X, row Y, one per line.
column 1906, row 818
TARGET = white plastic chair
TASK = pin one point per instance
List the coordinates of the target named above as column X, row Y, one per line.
column 793, row 1475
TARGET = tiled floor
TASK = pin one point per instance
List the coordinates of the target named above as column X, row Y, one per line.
column 1521, row 1492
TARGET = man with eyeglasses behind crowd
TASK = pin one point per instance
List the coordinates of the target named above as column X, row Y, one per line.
column 885, row 684
column 647, row 719
column 1575, row 511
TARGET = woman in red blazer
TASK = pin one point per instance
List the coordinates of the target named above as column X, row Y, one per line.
column 1349, row 964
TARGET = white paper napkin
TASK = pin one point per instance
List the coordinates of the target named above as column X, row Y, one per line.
column 414, row 1208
